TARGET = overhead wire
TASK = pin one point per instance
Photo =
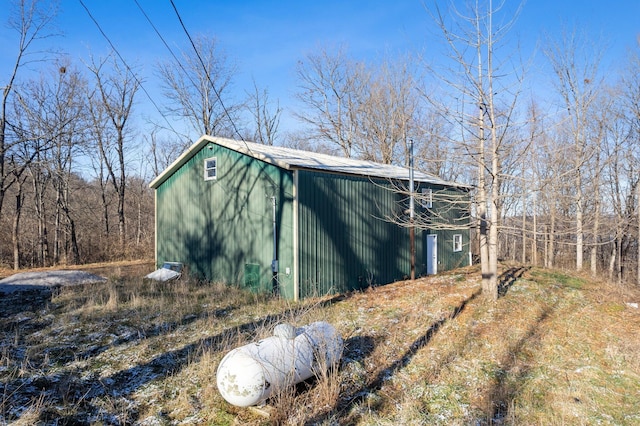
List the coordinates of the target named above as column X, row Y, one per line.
column 217, row 93
column 206, row 71
column 274, row 185
column 126, row 65
column 193, row 45
column 178, row 62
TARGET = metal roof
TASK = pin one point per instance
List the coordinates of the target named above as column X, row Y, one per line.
column 291, row 159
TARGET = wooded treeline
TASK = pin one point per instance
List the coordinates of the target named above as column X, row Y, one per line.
column 551, row 149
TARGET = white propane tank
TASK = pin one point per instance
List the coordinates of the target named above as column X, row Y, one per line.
column 248, row 375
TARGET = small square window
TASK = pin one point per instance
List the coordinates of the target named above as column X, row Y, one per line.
column 457, row 242
column 211, row 168
column 426, row 199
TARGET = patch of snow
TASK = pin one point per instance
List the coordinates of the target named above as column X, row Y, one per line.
column 46, row 279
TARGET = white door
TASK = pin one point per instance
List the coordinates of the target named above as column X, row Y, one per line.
column 432, row 254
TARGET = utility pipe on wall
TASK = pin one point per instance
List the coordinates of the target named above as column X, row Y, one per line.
column 412, row 229
column 274, row 261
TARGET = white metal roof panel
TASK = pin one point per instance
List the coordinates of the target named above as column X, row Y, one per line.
column 290, row 158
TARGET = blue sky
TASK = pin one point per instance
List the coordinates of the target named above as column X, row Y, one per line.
column 267, row 38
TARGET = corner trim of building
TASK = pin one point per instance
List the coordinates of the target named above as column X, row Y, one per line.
column 296, row 258
column 155, row 227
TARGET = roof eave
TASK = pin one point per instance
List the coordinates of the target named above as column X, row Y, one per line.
column 427, row 180
column 246, row 150
column 180, row 161
column 199, row 144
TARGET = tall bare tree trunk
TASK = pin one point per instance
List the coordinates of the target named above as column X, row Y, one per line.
column 546, row 246
column 534, row 241
column 483, row 224
column 116, row 96
column 523, row 256
column 493, row 229
column 121, row 191
column 619, row 244
column 472, row 47
column 596, row 232
column 552, row 242
column 575, row 62
column 579, row 218
column 139, row 222
column 15, row 230
column 71, row 228
column 612, row 258
column 57, row 231
column 38, row 186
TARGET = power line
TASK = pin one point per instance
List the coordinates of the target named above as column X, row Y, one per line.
column 127, row 66
column 206, row 71
column 263, row 165
column 178, row 62
column 273, row 198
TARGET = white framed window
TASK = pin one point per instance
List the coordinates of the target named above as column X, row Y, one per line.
column 457, row 242
column 426, row 199
column 211, row 168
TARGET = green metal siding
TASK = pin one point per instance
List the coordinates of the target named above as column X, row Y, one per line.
column 222, row 228
column 448, row 216
column 346, row 241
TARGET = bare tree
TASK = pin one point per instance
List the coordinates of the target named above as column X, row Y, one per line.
column 388, row 112
column 436, row 154
column 113, row 99
column 529, row 182
column 604, row 123
column 331, row 87
column 101, row 133
column 52, row 129
column 68, row 100
column 575, row 61
column 554, row 170
column 630, row 93
column 197, row 84
column 265, row 119
column 20, row 178
column 163, row 150
column 368, row 111
column 30, row 19
column 484, row 111
column 620, row 172
column 32, row 128
column 40, row 181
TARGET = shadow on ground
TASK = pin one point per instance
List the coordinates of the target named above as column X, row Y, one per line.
column 509, row 277
column 375, row 384
column 73, row 387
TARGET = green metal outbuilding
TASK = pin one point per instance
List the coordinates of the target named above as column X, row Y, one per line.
column 302, row 223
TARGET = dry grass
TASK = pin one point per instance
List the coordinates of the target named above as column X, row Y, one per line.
column 554, row 349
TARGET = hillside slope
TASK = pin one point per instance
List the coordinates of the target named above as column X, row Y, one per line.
column 554, row 349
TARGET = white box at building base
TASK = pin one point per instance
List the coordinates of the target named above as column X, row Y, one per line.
column 248, row 375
